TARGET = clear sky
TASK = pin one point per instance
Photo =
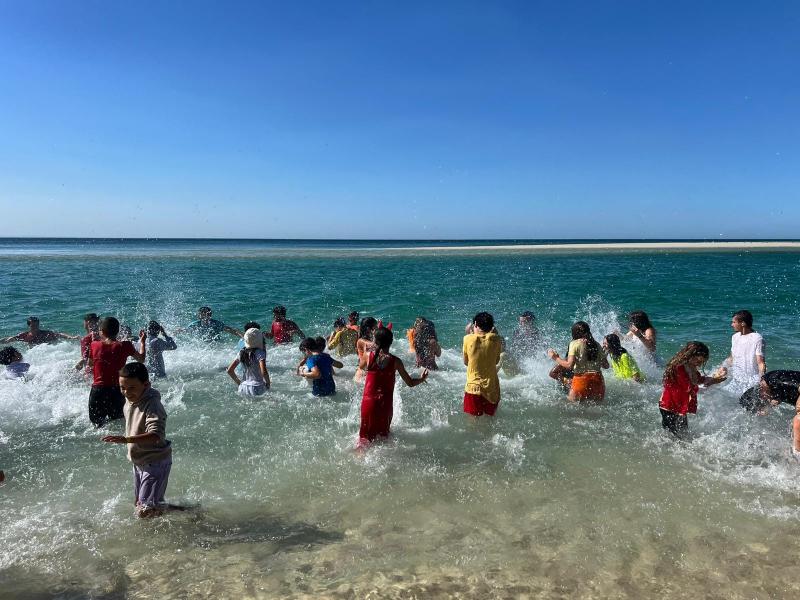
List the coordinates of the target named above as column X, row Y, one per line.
column 528, row 119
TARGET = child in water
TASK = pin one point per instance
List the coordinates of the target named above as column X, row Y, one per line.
column 381, row 368
column 11, row 359
column 318, row 367
column 342, row 338
column 586, row 359
column 156, row 346
column 364, row 344
column 145, row 435
column 623, row 364
column 425, row 344
column 796, row 429
column 681, row 382
column 640, row 328
column 481, row 350
column 254, row 359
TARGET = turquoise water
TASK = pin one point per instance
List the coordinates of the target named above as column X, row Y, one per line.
column 545, row 500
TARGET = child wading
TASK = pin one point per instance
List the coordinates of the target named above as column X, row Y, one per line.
column 587, row 360
column 681, row 382
column 319, row 367
column 481, row 350
column 254, row 359
column 106, row 358
column 622, row 363
column 376, row 405
column 145, row 434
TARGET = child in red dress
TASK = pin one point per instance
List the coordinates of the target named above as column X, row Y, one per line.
column 376, row 405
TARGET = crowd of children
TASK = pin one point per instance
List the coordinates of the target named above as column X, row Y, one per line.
column 104, row 358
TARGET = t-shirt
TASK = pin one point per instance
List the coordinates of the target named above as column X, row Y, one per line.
column 107, row 360
column 344, row 341
column 324, row 385
column 744, row 350
column 16, row 370
column 207, row 330
column 577, row 348
column 625, row 367
column 483, row 353
column 282, row 331
column 155, row 358
column 86, row 343
column 252, row 372
column 147, row 416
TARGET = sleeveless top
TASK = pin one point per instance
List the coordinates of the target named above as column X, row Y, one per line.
column 679, row 396
column 380, row 381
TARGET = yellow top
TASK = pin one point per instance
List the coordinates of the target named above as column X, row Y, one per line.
column 482, row 351
column 345, row 340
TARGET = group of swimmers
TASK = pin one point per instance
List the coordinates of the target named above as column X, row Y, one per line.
column 106, row 348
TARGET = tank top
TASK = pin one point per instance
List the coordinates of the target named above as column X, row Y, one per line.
column 380, row 381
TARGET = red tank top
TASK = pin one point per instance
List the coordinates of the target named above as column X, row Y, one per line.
column 282, row 331
column 679, row 396
column 380, row 381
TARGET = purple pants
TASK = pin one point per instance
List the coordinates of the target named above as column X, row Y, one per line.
column 150, row 483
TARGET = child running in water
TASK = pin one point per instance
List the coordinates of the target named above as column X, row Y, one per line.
column 681, row 382
column 586, row 359
column 623, row 364
column 254, row 359
column 376, row 405
column 481, row 349
column 319, row 367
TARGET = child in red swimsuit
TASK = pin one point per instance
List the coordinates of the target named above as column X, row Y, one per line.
column 376, row 404
column 681, row 382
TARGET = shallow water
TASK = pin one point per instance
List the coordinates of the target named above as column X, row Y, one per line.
column 546, row 500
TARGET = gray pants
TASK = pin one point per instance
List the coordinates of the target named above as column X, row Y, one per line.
column 150, row 483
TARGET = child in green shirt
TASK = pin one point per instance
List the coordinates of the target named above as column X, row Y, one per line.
column 622, row 362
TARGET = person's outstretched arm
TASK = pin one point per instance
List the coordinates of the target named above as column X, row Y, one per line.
column 66, row 336
column 410, row 381
column 232, row 330
column 567, row 364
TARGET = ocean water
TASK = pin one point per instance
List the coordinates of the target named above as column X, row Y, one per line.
column 546, row 500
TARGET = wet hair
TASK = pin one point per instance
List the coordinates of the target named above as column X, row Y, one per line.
column 135, row 370
column 640, row 320
column 615, row 348
column 689, row 351
column 110, row 327
column 339, row 323
column 528, row 315
column 153, row 328
column 367, row 328
column 32, row 320
column 319, row 344
column 246, row 355
column 91, row 317
column 353, row 316
column 424, row 332
column 204, row 310
column 251, row 325
column 279, row 311
column 383, row 339
column 307, row 344
column 484, row 320
column 581, row 331
column 744, row 316
column 8, row 355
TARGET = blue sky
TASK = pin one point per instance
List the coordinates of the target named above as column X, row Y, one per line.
column 400, row 120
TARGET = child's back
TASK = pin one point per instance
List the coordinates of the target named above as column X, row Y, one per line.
column 324, row 385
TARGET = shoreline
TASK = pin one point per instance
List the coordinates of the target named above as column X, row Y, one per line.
column 605, row 246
